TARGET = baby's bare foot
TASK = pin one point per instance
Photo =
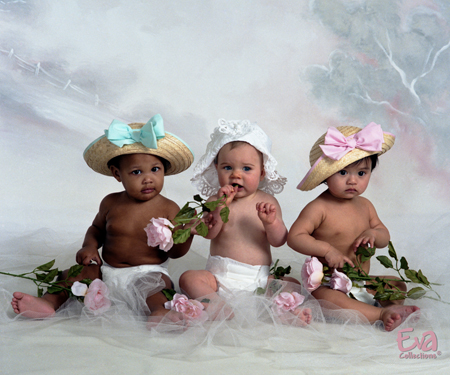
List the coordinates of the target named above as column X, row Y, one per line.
column 158, row 316
column 218, row 309
column 30, row 306
column 303, row 314
column 300, row 317
column 392, row 316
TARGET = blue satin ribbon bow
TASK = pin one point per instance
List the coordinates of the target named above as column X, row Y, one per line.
column 121, row 134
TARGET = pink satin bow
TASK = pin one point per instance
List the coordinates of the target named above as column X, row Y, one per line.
column 337, row 145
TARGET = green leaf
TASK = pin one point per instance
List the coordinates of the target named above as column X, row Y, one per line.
column 260, row 291
column 416, row 293
column 40, row 292
column 403, row 263
column 41, row 276
column 198, row 198
column 391, row 251
column 75, row 270
column 54, row 289
column 183, row 210
column 385, row 261
column 211, row 205
column 46, row 266
column 224, row 213
column 412, row 275
column 181, row 235
column 168, row 293
column 202, row 229
column 51, row 275
column 365, row 252
column 422, row 278
column 397, row 296
column 383, row 296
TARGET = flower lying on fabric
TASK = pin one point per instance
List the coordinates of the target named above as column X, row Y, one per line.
column 190, row 308
column 95, row 296
column 340, row 281
column 286, row 301
column 312, row 274
column 159, row 233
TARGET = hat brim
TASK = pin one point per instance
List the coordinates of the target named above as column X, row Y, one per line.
column 171, row 148
column 324, row 167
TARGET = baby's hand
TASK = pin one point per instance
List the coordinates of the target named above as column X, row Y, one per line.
column 267, row 212
column 366, row 239
column 208, row 219
column 229, row 191
column 335, row 259
column 88, row 255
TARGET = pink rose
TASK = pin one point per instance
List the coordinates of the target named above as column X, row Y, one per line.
column 312, row 274
column 190, row 308
column 286, row 301
column 340, row 281
column 159, row 233
column 96, row 298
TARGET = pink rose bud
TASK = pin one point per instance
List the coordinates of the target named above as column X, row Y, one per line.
column 340, row 281
column 286, row 301
column 96, row 298
column 312, row 274
column 159, row 233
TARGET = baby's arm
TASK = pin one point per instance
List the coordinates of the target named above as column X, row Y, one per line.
column 270, row 216
column 301, row 240
column 94, row 238
column 213, row 219
column 377, row 236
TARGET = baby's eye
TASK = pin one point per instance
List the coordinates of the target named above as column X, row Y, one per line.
column 155, row 169
column 227, row 168
column 361, row 173
column 247, row 169
column 342, row 173
column 136, row 172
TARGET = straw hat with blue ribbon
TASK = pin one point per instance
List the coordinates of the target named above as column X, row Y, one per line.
column 342, row 146
column 138, row 138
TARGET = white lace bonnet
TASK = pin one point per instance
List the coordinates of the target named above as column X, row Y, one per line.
column 205, row 177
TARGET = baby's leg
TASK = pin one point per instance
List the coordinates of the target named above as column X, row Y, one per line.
column 392, row 315
column 396, row 283
column 200, row 283
column 45, row 306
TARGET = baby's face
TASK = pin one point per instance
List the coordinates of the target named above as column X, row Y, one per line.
column 350, row 181
column 240, row 167
column 142, row 175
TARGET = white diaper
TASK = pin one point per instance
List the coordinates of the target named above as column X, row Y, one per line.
column 133, row 285
column 233, row 276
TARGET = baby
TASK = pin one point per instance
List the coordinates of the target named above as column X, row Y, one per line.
column 138, row 156
column 338, row 221
column 239, row 165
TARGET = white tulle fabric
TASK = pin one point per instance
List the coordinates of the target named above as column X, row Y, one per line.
column 205, row 175
column 334, row 339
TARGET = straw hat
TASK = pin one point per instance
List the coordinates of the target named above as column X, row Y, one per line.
column 138, row 138
column 342, row 146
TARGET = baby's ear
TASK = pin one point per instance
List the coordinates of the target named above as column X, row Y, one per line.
column 115, row 172
column 263, row 174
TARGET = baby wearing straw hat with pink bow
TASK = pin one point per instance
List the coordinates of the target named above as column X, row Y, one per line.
column 139, row 156
column 338, row 221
